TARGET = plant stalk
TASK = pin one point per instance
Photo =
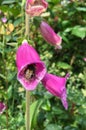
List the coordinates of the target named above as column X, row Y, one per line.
column 27, row 92
column 27, row 19
column 5, row 72
column 27, row 110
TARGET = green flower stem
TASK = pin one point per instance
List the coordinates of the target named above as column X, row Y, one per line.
column 27, row 92
column 5, row 73
column 27, row 110
column 27, row 23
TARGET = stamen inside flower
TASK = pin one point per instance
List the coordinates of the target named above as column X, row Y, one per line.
column 29, row 72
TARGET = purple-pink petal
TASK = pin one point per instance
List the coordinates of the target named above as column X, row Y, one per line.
column 26, row 53
column 50, row 36
column 4, row 19
column 29, row 63
column 2, row 107
column 57, row 86
column 36, row 7
column 84, row 58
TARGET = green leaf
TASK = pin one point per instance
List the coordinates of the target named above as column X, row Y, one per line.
column 2, row 76
column 67, row 30
column 9, row 92
column 4, row 8
column 53, row 127
column 17, row 22
column 57, row 111
column 46, row 106
column 81, row 9
column 2, row 119
column 8, row 1
column 11, row 76
column 79, row 31
column 84, row 92
column 34, row 110
column 12, row 44
column 63, row 65
column 65, row 39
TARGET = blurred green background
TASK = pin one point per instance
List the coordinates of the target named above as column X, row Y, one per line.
column 68, row 19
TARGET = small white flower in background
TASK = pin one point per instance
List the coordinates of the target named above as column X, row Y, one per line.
column 4, row 19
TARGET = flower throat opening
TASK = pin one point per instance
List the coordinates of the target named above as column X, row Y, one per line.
column 37, row 2
column 29, row 72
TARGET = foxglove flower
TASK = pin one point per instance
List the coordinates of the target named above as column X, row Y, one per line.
column 50, row 36
column 2, row 107
column 57, row 87
column 36, row 7
column 31, row 69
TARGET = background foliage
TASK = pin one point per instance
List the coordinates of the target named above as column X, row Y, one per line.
column 68, row 18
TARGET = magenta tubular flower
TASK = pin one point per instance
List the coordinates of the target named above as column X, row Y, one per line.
column 50, row 36
column 57, row 87
column 2, row 107
column 31, row 69
column 36, row 7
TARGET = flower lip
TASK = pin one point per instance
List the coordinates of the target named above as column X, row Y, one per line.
column 57, row 86
column 31, row 74
column 58, row 46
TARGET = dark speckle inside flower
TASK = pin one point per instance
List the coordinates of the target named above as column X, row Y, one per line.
column 37, row 2
column 29, row 72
